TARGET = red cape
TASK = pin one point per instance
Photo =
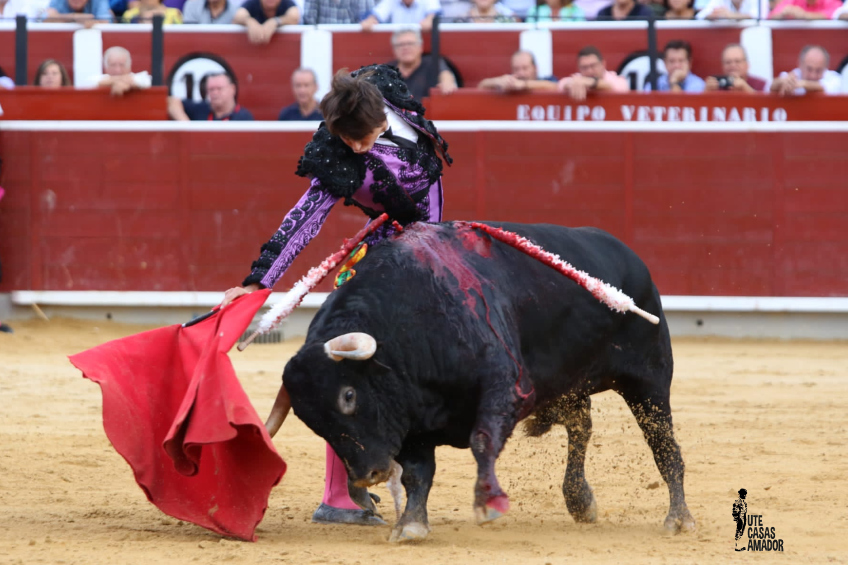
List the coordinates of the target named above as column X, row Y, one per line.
column 174, row 409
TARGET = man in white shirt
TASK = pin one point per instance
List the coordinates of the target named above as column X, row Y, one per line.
column 812, row 75
column 419, row 12
column 32, row 9
column 734, row 10
column 119, row 76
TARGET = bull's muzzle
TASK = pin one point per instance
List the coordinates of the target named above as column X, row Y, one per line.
column 373, row 477
column 357, row 346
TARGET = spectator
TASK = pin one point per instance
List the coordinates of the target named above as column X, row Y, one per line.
column 32, row 9
column 51, row 74
column 679, row 9
column 734, row 65
column 6, row 82
column 519, row 8
column 591, row 7
column 457, row 10
column 119, row 76
column 555, row 10
column 677, row 57
column 144, row 10
column 419, row 12
column 9, row 9
column 624, row 10
column 86, row 12
column 305, row 85
column 524, row 76
column 415, row 67
column 336, row 11
column 263, row 17
column 118, row 8
column 812, row 75
column 841, row 13
column 734, row 10
column 657, row 7
column 805, row 9
column 487, row 12
column 222, row 104
column 210, row 11
column 592, row 75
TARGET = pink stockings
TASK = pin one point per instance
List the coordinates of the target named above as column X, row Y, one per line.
column 335, row 488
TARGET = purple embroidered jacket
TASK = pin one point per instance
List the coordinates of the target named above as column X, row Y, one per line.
column 306, row 218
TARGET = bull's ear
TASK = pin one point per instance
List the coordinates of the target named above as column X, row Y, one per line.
column 372, row 368
column 382, row 366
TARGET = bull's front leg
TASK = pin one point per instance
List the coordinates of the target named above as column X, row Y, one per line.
column 419, row 466
column 496, row 419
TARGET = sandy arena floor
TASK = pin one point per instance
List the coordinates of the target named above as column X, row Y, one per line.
column 771, row 417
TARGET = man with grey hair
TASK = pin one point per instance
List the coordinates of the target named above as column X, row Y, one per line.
column 524, row 76
column 119, row 77
column 812, row 75
column 304, row 85
column 735, row 77
column 416, row 68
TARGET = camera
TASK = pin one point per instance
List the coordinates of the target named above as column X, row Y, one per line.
column 724, row 82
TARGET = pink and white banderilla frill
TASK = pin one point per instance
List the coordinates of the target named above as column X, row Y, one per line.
column 606, row 293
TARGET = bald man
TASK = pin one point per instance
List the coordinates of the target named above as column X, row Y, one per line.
column 812, row 75
column 524, row 76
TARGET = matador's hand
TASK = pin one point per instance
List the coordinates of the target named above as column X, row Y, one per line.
column 234, row 293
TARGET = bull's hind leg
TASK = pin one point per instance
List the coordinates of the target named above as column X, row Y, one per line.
column 419, row 467
column 653, row 413
column 579, row 498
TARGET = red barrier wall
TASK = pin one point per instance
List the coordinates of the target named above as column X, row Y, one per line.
column 710, row 213
column 472, row 104
column 34, row 103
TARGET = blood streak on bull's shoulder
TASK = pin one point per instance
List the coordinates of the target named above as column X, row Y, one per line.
column 435, row 247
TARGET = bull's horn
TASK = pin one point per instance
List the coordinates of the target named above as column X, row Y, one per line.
column 357, row 346
column 279, row 412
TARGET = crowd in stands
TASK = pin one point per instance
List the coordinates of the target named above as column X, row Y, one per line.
column 262, row 17
column 221, row 103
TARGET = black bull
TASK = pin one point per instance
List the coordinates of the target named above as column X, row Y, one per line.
column 466, row 336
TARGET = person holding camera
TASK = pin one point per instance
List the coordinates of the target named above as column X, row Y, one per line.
column 735, row 77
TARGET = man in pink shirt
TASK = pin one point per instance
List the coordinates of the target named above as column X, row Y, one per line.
column 592, row 75
column 805, row 9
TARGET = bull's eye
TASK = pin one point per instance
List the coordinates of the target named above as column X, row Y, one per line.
column 347, row 401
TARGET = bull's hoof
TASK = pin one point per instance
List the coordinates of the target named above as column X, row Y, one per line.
column 495, row 507
column 414, row 531
column 330, row 515
column 580, row 501
column 680, row 522
column 587, row 515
